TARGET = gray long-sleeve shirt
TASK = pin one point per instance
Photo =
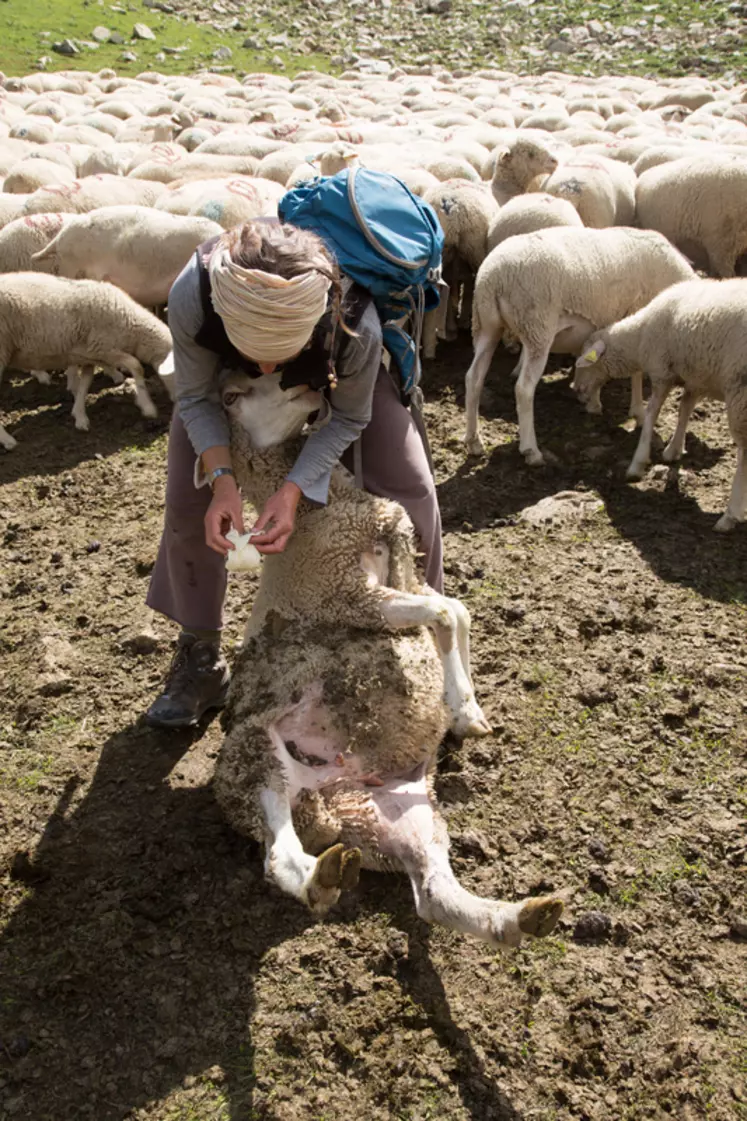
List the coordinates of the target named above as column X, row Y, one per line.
column 197, row 388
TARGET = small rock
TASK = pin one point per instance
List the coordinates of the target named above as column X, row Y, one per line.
column 598, row 850
column 128, row 56
column 142, row 31
column 277, row 62
column 560, row 46
column 738, row 928
column 117, row 38
column 93, row 546
column 222, row 53
column 594, row 926
column 23, row 871
column 252, row 45
column 143, row 643
column 440, row 7
column 101, row 34
column 598, row 881
column 685, row 894
column 66, row 47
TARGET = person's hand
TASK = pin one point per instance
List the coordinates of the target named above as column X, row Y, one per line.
column 280, row 510
column 224, row 511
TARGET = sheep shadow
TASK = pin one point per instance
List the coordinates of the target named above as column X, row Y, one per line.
column 130, row 965
column 48, row 441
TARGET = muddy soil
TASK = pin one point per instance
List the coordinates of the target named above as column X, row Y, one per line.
column 148, row 971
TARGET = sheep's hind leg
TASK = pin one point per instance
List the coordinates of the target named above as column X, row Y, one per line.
column 315, row 881
column 81, row 381
column 42, row 376
column 401, row 609
column 128, row 362
column 735, row 511
column 532, row 369
column 412, row 834
column 474, row 380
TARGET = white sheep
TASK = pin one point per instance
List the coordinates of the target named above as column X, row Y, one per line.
column 693, row 334
column 601, row 190
column 48, row 323
column 333, row 730
column 524, row 214
column 23, row 237
column 464, row 211
column 699, row 204
column 141, row 250
column 551, row 289
column 91, row 193
column 518, row 164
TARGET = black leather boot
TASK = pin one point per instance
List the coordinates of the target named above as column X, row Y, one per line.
column 197, row 681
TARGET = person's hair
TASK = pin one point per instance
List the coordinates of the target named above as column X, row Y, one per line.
column 287, row 251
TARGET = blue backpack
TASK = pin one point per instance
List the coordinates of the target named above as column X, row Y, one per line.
column 384, row 238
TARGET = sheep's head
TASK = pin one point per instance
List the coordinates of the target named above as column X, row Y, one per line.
column 526, row 159
column 268, row 414
column 591, row 373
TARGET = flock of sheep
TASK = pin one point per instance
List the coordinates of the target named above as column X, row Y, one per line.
column 567, row 206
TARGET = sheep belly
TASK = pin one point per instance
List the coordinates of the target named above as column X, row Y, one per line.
column 311, row 747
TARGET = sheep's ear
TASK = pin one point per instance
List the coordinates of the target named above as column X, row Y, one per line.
column 589, row 357
column 504, row 155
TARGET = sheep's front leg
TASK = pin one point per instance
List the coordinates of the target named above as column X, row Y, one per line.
column 315, row 881
column 676, row 445
column 642, row 457
column 737, row 507
column 532, row 369
column 485, row 344
column 637, row 407
column 42, row 376
column 402, row 609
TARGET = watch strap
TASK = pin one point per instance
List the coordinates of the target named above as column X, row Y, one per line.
column 217, row 472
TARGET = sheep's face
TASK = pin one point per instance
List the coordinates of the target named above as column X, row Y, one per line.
column 528, row 158
column 591, row 374
column 269, row 415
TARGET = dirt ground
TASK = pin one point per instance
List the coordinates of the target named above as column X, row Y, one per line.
column 147, row 969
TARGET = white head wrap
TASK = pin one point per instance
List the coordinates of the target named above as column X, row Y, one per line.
column 267, row 317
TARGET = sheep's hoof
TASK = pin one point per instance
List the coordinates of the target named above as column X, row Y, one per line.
column 726, row 523
column 336, row 870
column 82, row 424
column 533, row 457
column 474, row 445
column 670, row 454
column 8, row 442
column 635, row 473
column 538, row 917
column 471, row 722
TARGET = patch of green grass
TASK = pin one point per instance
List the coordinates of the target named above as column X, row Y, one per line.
column 30, row 29
column 26, row 775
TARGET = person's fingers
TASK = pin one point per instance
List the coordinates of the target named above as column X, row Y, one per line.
column 213, row 532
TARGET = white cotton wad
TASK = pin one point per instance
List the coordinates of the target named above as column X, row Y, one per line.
column 243, row 557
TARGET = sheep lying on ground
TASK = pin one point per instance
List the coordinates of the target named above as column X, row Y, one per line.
column 333, row 730
column 695, row 335
column 551, row 289
column 699, row 204
column 47, row 323
column 139, row 249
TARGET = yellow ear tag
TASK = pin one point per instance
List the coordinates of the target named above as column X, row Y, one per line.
column 591, row 356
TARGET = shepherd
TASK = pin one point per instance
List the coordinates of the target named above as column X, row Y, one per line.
column 263, row 298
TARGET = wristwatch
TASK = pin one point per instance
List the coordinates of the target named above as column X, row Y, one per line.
column 216, row 473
